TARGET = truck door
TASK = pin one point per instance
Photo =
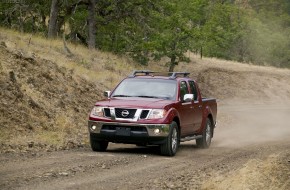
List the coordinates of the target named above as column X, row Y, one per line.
column 196, row 109
column 186, row 119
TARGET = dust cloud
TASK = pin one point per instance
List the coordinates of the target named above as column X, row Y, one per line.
column 241, row 125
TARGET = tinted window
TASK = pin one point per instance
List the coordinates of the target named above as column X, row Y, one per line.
column 193, row 89
column 183, row 89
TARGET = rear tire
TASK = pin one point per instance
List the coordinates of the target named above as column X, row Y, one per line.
column 169, row 148
column 99, row 146
column 207, row 132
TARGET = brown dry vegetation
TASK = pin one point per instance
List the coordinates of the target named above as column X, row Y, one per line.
column 46, row 94
column 271, row 173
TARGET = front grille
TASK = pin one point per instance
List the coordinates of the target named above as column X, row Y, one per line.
column 107, row 112
column 125, row 113
column 144, row 114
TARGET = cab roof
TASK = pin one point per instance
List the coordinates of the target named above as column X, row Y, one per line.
column 163, row 75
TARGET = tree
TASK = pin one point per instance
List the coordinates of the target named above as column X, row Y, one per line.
column 220, row 30
column 63, row 11
column 254, row 31
column 52, row 26
column 169, row 34
column 177, row 28
column 25, row 16
column 92, row 24
column 265, row 38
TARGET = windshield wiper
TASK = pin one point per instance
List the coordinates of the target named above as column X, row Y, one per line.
column 143, row 96
column 121, row 95
column 148, row 96
column 165, row 98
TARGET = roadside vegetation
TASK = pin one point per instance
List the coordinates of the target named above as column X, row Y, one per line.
column 250, row 31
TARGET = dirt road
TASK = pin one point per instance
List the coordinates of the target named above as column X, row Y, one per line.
column 250, row 150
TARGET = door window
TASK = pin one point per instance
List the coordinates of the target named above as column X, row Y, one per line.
column 193, row 89
column 183, row 89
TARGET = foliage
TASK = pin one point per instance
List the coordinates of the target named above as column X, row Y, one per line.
column 255, row 31
column 172, row 33
column 25, row 16
column 265, row 33
column 221, row 30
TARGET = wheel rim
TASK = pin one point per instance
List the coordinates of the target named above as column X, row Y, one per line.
column 174, row 140
column 208, row 133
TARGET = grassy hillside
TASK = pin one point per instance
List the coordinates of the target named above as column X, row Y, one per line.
column 46, row 93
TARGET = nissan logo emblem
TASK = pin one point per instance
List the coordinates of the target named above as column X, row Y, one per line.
column 125, row 113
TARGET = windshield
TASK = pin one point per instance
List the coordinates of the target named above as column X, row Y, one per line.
column 146, row 88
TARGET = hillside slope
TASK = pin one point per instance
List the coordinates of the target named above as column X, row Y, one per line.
column 46, row 95
column 42, row 102
column 233, row 82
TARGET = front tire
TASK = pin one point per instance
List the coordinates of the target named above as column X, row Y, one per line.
column 99, row 146
column 205, row 141
column 169, row 148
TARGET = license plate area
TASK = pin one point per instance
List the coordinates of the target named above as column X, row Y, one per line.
column 123, row 131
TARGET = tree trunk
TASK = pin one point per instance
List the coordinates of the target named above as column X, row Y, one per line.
column 52, row 26
column 92, row 24
column 21, row 21
column 172, row 63
column 172, row 57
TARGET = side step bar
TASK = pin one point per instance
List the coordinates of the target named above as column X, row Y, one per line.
column 189, row 138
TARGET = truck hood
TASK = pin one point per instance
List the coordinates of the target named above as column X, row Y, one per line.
column 147, row 103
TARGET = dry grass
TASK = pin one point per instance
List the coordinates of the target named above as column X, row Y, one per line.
column 97, row 65
column 108, row 68
column 271, row 173
column 91, row 64
column 198, row 64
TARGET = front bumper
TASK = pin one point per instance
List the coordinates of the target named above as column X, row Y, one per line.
column 135, row 128
column 128, row 132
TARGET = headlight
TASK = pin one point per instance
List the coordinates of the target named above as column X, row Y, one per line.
column 98, row 111
column 157, row 114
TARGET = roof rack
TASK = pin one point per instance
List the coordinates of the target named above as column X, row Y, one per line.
column 172, row 75
column 146, row 72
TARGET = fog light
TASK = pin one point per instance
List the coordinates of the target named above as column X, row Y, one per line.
column 94, row 127
column 156, row 131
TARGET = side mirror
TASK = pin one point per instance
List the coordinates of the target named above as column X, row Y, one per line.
column 107, row 93
column 188, row 97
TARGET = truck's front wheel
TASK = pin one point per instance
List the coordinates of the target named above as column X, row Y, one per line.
column 205, row 141
column 99, row 146
column 169, row 148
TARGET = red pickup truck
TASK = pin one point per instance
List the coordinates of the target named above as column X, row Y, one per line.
column 148, row 108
